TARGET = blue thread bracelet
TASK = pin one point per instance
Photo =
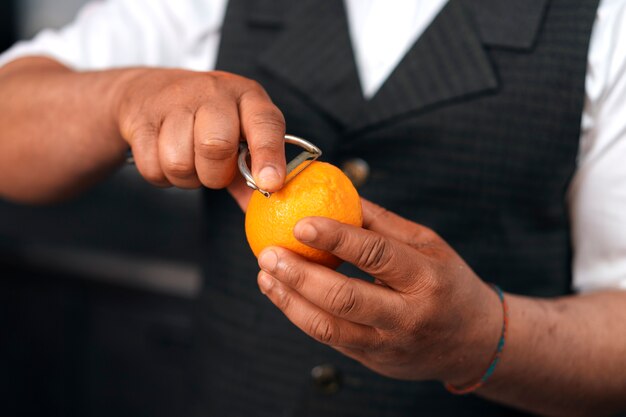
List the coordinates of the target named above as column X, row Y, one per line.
column 469, row 388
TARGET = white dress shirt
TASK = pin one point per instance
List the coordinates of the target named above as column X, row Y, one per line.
column 186, row 33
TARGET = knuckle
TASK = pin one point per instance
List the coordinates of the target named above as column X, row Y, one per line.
column 251, row 85
column 375, row 254
column 342, row 298
column 142, row 131
column 270, row 119
column 174, row 93
column 210, row 111
column 282, row 298
column 424, row 318
column 425, row 235
column 423, row 238
column 215, row 148
column 431, row 282
column 268, row 147
column 295, row 276
column 383, row 213
column 242, row 83
column 379, row 214
column 416, row 239
column 178, row 168
column 154, row 176
column 212, row 81
column 435, row 288
column 379, row 341
column 341, row 241
column 429, row 233
column 322, row 329
column 407, row 322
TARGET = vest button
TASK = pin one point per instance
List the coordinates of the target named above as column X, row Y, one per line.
column 326, row 379
column 357, row 170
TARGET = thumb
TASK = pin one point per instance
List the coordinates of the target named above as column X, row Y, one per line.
column 390, row 261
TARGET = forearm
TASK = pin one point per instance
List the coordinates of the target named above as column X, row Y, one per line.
column 58, row 132
column 564, row 357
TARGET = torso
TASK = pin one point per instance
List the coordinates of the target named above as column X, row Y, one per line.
column 475, row 134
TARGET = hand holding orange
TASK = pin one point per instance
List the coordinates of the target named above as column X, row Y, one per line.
column 321, row 189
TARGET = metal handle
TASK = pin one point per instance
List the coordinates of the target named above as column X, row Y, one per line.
column 310, row 154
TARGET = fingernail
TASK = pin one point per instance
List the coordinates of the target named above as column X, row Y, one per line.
column 268, row 177
column 265, row 282
column 268, row 260
column 305, row 232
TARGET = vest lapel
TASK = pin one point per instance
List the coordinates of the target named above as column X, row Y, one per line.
column 449, row 62
column 314, row 55
column 511, row 24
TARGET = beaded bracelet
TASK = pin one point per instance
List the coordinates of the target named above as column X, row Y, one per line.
column 496, row 356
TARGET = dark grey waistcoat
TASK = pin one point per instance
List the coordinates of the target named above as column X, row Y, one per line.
column 475, row 134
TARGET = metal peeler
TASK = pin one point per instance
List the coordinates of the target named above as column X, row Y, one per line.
column 310, row 154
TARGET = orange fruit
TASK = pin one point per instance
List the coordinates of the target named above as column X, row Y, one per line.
column 321, row 189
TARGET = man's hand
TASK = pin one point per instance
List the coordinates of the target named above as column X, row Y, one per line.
column 184, row 127
column 61, row 130
column 426, row 315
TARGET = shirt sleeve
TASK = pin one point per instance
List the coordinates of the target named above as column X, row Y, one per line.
column 597, row 195
column 122, row 33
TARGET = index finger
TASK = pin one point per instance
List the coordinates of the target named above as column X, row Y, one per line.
column 263, row 126
column 387, row 223
column 348, row 298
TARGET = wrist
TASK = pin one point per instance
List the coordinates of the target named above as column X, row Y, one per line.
column 123, row 88
column 474, row 351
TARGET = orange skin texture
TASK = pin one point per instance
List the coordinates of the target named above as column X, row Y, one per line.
column 321, row 189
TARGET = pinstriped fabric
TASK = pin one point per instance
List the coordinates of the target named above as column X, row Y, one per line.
column 430, row 75
column 510, row 24
column 475, row 134
column 295, row 58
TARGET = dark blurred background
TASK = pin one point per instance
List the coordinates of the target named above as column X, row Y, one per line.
column 8, row 31
column 95, row 293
